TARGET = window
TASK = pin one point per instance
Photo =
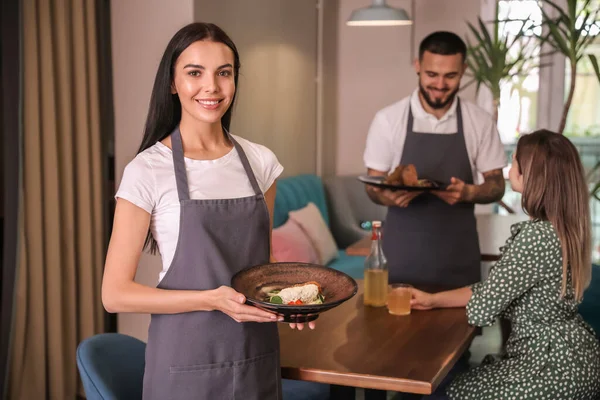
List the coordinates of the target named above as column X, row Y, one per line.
column 539, row 98
column 584, row 114
column 518, row 98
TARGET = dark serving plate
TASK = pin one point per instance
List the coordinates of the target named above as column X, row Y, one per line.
column 255, row 282
column 377, row 181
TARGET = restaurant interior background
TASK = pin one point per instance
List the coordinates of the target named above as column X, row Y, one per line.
column 309, row 84
column 309, row 88
column 334, row 77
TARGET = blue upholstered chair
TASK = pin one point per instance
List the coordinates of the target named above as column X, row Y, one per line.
column 590, row 306
column 111, row 366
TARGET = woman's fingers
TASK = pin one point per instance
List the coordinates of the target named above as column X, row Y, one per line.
column 253, row 318
column 300, row 325
column 245, row 313
column 420, row 300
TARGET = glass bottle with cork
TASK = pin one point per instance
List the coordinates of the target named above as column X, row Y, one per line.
column 376, row 272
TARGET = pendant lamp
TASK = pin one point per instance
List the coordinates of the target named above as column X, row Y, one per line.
column 379, row 14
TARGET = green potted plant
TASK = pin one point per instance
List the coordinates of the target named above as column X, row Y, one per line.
column 569, row 34
column 494, row 59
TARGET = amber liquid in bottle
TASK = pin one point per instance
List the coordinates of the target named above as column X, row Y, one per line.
column 376, row 272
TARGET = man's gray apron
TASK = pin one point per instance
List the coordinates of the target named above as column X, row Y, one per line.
column 206, row 354
column 431, row 242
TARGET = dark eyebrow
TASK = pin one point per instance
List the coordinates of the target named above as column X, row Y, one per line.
column 202, row 67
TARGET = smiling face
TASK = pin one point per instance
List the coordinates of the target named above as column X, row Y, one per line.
column 204, row 81
column 439, row 78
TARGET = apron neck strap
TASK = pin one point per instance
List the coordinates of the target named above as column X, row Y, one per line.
column 246, row 164
column 459, row 120
column 179, row 163
column 180, row 172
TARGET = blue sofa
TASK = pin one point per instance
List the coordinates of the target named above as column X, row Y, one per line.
column 296, row 192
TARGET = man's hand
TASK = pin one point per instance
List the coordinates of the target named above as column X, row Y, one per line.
column 491, row 190
column 385, row 197
column 455, row 192
column 399, row 198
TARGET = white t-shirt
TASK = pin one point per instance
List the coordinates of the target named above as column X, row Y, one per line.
column 149, row 183
column 387, row 134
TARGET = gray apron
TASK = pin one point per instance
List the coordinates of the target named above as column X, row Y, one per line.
column 206, row 354
column 431, row 242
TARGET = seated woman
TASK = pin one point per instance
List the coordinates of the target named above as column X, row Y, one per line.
column 537, row 284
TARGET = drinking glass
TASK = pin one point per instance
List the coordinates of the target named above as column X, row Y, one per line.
column 398, row 300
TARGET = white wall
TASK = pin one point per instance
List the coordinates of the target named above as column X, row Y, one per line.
column 141, row 30
column 375, row 67
column 276, row 102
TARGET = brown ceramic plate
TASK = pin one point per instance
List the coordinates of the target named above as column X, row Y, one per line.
column 255, row 282
column 377, row 181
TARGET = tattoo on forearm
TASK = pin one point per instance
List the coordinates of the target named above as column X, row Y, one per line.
column 491, row 190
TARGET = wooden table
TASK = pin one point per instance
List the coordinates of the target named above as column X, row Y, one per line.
column 493, row 230
column 358, row 346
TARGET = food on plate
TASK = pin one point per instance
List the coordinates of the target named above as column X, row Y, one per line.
column 403, row 175
column 300, row 294
column 424, row 183
column 406, row 175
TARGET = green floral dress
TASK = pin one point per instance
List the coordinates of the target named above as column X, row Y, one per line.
column 551, row 352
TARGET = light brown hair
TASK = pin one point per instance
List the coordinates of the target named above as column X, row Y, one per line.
column 555, row 190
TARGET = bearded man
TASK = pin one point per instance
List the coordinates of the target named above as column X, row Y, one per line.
column 430, row 237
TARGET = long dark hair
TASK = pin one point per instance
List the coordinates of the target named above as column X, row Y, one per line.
column 164, row 113
column 555, row 190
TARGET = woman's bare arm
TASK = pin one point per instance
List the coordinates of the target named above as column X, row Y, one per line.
column 120, row 292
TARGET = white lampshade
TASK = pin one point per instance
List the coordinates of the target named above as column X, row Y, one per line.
column 379, row 14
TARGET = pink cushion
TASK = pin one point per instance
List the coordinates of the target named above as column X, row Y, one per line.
column 314, row 226
column 290, row 244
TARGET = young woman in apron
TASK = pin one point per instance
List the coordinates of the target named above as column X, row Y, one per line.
column 203, row 341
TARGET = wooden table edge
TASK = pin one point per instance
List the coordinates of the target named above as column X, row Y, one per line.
column 362, row 251
column 378, row 382
column 356, row 380
column 451, row 361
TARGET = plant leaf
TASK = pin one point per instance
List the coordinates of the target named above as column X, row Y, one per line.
column 484, row 31
column 558, row 39
column 557, row 8
column 595, row 65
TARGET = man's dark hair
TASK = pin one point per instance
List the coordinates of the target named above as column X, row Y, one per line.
column 443, row 43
